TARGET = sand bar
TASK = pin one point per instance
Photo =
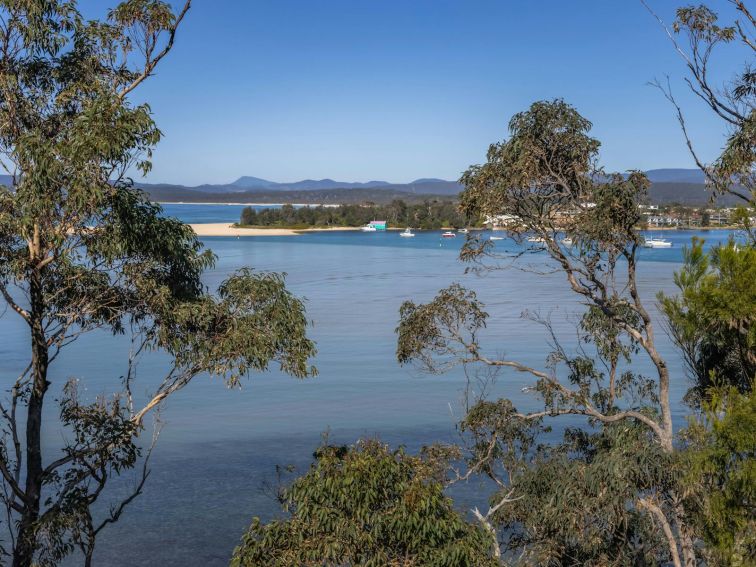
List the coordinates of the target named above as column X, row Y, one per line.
column 329, row 205
column 226, row 229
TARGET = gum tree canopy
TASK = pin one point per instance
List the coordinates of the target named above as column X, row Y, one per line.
column 544, row 179
column 81, row 249
column 369, row 506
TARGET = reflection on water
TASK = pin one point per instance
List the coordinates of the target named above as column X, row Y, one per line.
column 219, row 446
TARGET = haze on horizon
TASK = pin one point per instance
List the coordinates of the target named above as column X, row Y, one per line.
column 396, row 91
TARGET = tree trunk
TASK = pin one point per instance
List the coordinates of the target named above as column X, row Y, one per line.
column 23, row 554
column 686, row 537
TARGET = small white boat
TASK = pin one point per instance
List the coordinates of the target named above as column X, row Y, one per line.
column 567, row 241
column 448, row 234
column 657, row 243
column 495, row 238
column 536, row 239
column 368, row 228
column 407, row 233
column 463, row 231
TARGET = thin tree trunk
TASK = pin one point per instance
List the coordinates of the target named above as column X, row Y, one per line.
column 657, row 513
column 612, row 380
column 23, row 554
column 685, row 536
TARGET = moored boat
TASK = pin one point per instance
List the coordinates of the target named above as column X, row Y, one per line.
column 657, row 243
column 448, row 234
column 407, row 233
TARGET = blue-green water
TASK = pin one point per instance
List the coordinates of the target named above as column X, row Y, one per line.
column 197, row 213
column 218, row 446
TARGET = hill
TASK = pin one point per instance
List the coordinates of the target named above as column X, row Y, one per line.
column 690, row 194
column 684, row 178
column 675, row 176
column 383, row 195
column 247, row 182
column 668, row 186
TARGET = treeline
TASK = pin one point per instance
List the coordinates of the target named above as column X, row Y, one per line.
column 211, row 194
column 433, row 214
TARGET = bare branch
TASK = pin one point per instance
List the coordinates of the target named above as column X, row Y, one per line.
column 151, row 63
column 658, row 514
column 13, row 305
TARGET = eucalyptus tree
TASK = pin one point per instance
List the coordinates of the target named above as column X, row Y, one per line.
column 81, row 250
column 546, row 180
column 370, row 506
column 697, row 35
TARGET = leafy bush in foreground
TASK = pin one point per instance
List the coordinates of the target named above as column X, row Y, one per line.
column 366, row 505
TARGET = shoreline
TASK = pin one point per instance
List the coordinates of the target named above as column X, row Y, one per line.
column 250, row 204
column 228, row 229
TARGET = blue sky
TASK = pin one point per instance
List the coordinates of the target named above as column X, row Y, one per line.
column 399, row 89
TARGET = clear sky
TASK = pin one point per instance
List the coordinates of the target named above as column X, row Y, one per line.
column 357, row 90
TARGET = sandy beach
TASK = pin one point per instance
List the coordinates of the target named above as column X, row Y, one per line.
column 225, row 229
column 236, row 204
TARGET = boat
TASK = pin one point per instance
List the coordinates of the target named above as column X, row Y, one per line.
column 495, row 238
column 567, row 241
column 407, row 233
column 374, row 226
column 657, row 243
column 448, row 234
column 463, row 231
column 536, row 239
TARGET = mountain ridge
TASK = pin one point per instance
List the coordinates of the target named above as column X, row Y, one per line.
column 423, row 184
column 248, row 182
column 661, row 191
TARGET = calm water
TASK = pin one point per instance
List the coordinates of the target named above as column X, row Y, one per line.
column 194, row 213
column 218, row 447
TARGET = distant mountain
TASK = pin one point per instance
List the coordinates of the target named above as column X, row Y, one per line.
column 689, row 194
column 428, row 180
column 246, row 182
column 675, row 176
column 684, row 186
column 379, row 195
column 426, row 185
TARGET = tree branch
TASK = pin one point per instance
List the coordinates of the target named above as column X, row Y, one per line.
column 150, row 64
column 657, row 513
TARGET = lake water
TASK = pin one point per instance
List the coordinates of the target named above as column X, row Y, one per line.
column 196, row 213
column 218, row 447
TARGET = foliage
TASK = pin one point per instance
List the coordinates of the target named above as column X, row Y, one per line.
column 696, row 35
column 365, row 505
column 720, row 465
column 426, row 215
column 429, row 332
column 607, row 494
column 82, row 250
column 570, row 505
column 713, row 320
column 548, row 141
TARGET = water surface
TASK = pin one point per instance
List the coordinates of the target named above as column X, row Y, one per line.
column 219, row 447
